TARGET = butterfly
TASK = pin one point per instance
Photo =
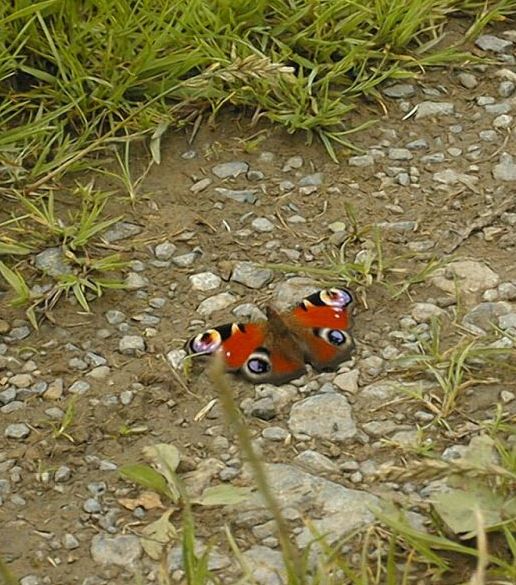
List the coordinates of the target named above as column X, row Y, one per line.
column 276, row 350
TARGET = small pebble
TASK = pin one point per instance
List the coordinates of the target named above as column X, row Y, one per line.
column 17, row 431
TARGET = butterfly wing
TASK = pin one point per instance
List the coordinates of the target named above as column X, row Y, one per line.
column 251, row 350
column 323, row 319
column 235, row 341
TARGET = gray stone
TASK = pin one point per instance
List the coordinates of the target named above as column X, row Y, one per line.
column 419, row 144
column 400, row 90
column 70, row 542
column 339, row 511
column 507, row 291
column 492, row 43
column 498, row 109
column 264, row 408
column 315, row 462
column 248, row 311
column 114, row 317
column 455, row 152
column 509, row 218
column 337, row 226
column 79, row 387
column 250, row 275
column 428, row 109
column 405, row 438
column 19, row 333
column 7, row 395
column 121, row 231
column 175, row 357
column 63, row 474
column 97, row 488
column 403, row 179
column 347, row 381
column 286, row 186
column 311, row 180
column 216, row 560
column 131, row 344
column 201, row 185
column 467, row 80
column 157, row 302
column 503, row 121
column 255, row 175
column 365, row 160
column 215, row 303
column 230, row 169
column 185, row 260
column 30, row 580
column 432, row 159
column 380, row 428
column 21, row 380
column 294, row 162
column 265, row 565
column 54, row 413
column 121, row 550
column 485, row 100
column 371, row 366
column 262, row 224
column 241, row 196
column 505, row 170
column 137, row 265
column 400, row 154
column 421, row 245
column 92, row 506
column 99, row 373
column 452, row 177
column 165, row 250
column 423, row 312
column 77, row 364
column 53, row 262
column 382, row 391
column 323, row 416
column 12, row 406
column 94, row 359
column 17, row 431
column 135, row 281
column 506, row 88
column 485, row 316
column 507, row 321
column 275, row 434
column 187, row 155
column 488, row 135
column 472, row 277
column 398, row 226
column 205, row 281
column 289, row 292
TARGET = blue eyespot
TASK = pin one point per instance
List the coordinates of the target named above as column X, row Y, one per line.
column 258, row 366
column 336, row 337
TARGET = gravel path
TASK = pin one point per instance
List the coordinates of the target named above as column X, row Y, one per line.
column 437, row 176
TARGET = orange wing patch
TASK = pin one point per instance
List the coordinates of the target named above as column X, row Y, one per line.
column 241, row 344
column 331, row 317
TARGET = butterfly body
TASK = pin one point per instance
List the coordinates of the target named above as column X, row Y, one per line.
column 277, row 350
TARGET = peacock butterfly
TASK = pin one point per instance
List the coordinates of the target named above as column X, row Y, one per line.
column 277, row 350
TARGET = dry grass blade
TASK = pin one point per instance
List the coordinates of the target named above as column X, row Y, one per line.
column 235, row 420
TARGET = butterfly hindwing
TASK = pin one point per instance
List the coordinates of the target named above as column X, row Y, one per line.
column 326, row 319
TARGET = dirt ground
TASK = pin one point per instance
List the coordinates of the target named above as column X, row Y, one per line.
column 164, row 406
